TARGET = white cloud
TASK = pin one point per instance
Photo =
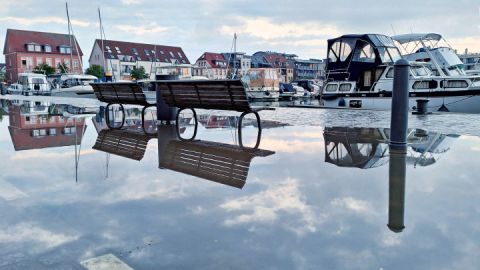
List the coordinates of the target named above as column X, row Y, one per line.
column 28, row 232
column 354, row 205
column 268, row 206
column 141, row 30
column 42, row 20
column 132, row 2
column 304, row 34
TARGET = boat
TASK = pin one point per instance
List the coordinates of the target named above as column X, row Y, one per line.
column 73, row 85
column 431, row 48
column 360, row 75
column 262, row 84
column 30, row 84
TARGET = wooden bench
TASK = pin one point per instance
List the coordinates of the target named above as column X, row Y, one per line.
column 123, row 93
column 211, row 95
column 126, row 143
column 218, row 162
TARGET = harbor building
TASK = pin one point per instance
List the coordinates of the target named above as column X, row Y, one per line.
column 309, row 69
column 211, row 65
column 119, row 58
column 278, row 61
column 238, row 62
column 471, row 61
column 24, row 50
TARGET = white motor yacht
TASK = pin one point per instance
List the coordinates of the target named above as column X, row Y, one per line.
column 73, row 85
column 360, row 75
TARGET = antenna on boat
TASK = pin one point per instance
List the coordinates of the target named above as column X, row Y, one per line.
column 393, row 30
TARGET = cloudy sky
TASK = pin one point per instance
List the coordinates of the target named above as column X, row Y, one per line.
column 300, row 26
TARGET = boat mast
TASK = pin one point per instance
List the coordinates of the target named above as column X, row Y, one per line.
column 102, row 38
column 104, row 62
column 69, row 35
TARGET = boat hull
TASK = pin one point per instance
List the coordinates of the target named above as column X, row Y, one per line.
column 462, row 104
column 269, row 95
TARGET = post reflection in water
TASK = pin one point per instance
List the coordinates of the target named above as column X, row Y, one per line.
column 367, row 148
column 396, row 190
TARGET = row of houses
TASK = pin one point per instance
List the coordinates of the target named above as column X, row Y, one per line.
column 25, row 50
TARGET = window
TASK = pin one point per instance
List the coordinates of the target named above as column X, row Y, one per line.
column 171, row 54
column 432, row 84
column 65, row 49
column 52, row 132
column 134, row 50
column 39, row 61
column 76, row 64
column 153, row 52
column 331, row 88
column 118, row 50
column 69, row 130
column 108, row 49
column 364, row 53
column 146, row 52
column 179, row 54
column 57, row 62
column 345, row 87
column 48, row 61
column 24, row 62
column 367, row 78
column 30, row 47
column 455, row 84
column 47, row 48
column 389, row 73
column 161, row 52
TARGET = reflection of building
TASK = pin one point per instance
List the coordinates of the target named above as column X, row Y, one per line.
column 368, row 147
column 24, row 50
column 33, row 127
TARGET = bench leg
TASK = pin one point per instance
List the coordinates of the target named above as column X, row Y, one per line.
column 107, row 116
column 178, row 125
column 259, row 133
column 143, row 119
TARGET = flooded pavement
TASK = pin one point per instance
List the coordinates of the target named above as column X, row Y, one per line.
column 320, row 192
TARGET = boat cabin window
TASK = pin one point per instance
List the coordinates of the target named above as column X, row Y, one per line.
column 331, row 88
column 420, row 71
column 425, row 84
column 364, row 53
column 345, row 87
column 340, row 50
column 389, row 73
column 455, row 84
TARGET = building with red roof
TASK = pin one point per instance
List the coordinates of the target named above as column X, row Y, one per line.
column 119, row 58
column 211, row 65
column 24, row 50
column 283, row 63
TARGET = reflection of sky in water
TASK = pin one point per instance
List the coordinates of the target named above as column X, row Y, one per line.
column 295, row 211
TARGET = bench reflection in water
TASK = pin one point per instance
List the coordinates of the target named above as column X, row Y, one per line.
column 219, row 162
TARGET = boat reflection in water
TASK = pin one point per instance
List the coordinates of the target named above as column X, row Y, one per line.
column 366, row 148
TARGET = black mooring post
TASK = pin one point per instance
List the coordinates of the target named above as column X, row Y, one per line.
column 396, row 191
column 399, row 113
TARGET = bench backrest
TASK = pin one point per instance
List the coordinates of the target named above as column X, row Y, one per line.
column 120, row 93
column 222, row 163
column 205, row 94
column 126, row 143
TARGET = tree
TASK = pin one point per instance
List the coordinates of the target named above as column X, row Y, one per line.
column 63, row 68
column 44, row 69
column 138, row 73
column 95, row 70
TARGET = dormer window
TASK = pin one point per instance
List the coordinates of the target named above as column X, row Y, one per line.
column 118, row 50
column 108, row 49
column 134, row 50
column 171, row 54
column 47, row 48
column 33, row 47
column 146, row 52
column 64, row 49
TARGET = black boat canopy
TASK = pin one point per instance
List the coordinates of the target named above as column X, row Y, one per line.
column 349, row 55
